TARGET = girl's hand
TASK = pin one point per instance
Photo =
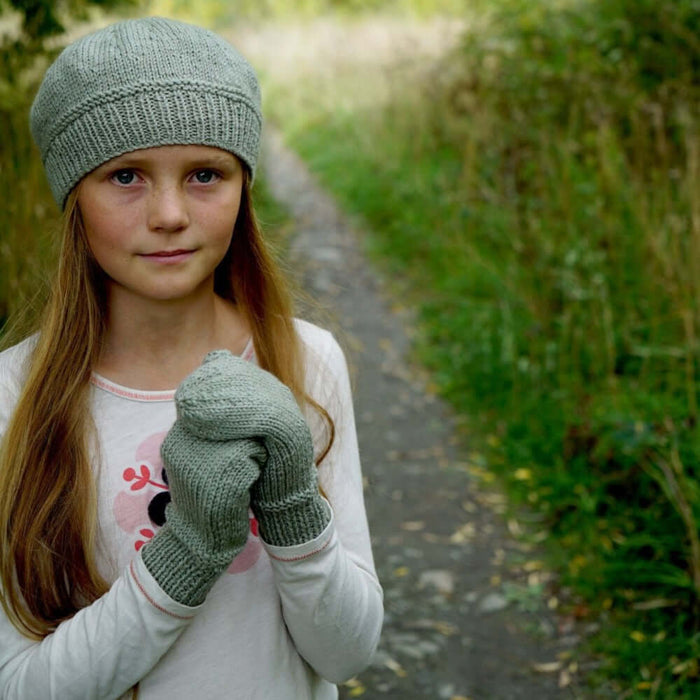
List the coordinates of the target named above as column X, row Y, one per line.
column 228, row 398
column 207, row 520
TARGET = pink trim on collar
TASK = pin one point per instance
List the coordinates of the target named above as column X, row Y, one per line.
column 249, row 351
column 141, row 395
column 127, row 393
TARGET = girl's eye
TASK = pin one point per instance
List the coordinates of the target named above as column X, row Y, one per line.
column 124, row 177
column 205, row 177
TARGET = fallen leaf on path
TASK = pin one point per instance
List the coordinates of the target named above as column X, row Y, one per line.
column 537, row 578
column 540, row 536
column 356, row 688
column 395, row 666
column 514, row 528
column 499, row 556
column 548, row 667
column 447, row 629
column 492, row 499
column 401, row 571
column 469, row 506
column 564, row 679
column 464, row 533
column 413, row 525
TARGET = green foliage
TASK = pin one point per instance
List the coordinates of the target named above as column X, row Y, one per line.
column 27, row 27
column 46, row 18
column 536, row 198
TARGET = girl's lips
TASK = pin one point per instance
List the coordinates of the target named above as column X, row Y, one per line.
column 168, row 256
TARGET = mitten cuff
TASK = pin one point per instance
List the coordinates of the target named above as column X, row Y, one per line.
column 179, row 572
column 294, row 522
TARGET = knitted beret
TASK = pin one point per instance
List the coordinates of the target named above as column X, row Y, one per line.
column 138, row 84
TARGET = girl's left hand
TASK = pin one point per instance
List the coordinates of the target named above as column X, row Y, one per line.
column 227, row 398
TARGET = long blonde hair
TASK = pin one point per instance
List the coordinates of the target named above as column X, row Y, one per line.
column 48, row 503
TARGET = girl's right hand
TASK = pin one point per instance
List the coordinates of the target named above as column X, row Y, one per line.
column 207, row 520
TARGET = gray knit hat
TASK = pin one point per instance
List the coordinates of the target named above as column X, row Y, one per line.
column 138, row 84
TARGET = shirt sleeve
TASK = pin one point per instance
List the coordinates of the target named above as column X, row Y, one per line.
column 106, row 647
column 331, row 597
column 102, row 651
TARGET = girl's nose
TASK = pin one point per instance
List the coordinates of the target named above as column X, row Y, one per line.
column 167, row 209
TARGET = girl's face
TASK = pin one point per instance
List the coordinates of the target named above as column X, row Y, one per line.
column 159, row 220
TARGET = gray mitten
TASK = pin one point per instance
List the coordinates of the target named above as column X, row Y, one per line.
column 207, row 520
column 244, row 401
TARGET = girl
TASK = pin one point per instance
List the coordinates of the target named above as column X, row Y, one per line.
column 173, row 543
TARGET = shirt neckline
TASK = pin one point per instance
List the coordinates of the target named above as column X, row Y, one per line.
column 126, row 392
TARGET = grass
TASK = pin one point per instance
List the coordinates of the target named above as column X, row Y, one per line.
column 533, row 195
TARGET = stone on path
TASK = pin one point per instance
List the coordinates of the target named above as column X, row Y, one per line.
column 493, row 602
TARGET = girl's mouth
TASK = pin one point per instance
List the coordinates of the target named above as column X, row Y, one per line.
column 169, row 256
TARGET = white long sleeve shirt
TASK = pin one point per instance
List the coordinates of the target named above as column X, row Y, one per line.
column 282, row 623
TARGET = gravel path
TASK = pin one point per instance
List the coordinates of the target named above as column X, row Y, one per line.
column 466, row 603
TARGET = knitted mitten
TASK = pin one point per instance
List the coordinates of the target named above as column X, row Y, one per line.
column 207, row 520
column 243, row 401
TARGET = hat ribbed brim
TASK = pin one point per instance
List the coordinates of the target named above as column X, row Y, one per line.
column 148, row 116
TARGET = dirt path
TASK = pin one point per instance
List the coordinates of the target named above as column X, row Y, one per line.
column 466, row 612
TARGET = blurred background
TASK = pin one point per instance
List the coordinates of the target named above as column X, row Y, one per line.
column 529, row 176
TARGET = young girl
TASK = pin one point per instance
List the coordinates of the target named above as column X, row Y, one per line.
column 173, row 543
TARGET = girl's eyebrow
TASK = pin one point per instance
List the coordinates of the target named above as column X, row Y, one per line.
column 131, row 160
